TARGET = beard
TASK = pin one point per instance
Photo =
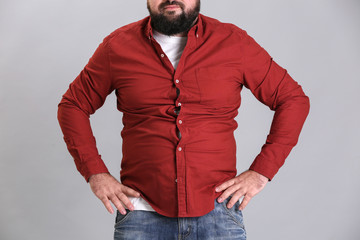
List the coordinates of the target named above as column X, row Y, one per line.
column 173, row 24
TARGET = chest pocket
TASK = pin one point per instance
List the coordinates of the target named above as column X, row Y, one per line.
column 219, row 86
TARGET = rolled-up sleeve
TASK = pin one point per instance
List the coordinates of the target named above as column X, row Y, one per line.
column 273, row 86
column 85, row 95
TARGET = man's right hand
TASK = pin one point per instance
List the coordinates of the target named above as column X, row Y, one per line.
column 107, row 189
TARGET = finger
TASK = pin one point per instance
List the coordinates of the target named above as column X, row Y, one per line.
column 235, row 198
column 107, row 204
column 126, row 201
column 224, row 185
column 130, row 192
column 115, row 200
column 244, row 202
column 228, row 192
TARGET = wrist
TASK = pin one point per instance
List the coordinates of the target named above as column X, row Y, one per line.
column 262, row 177
column 97, row 176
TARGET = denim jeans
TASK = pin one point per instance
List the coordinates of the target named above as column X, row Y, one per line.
column 221, row 223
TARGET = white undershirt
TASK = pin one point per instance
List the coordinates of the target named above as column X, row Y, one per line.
column 173, row 47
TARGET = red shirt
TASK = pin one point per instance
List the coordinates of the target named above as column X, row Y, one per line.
column 177, row 177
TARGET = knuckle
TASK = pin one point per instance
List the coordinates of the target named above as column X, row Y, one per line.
column 103, row 198
column 113, row 197
column 238, row 194
column 247, row 198
column 98, row 191
column 118, row 191
column 250, row 194
column 121, row 195
column 228, row 191
column 225, row 194
column 125, row 190
column 125, row 200
column 119, row 205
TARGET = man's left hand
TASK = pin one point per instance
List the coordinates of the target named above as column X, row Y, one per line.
column 247, row 184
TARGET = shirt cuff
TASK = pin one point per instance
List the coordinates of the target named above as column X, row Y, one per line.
column 92, row 167
column 264, row 167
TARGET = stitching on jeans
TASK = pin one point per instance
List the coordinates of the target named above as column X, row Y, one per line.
column 179, row 229
column 231, row 215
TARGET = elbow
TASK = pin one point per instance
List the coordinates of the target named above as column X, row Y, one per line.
column 295, row 98
column 307, row 104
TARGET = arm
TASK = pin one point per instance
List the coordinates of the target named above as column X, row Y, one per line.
column 85, row 95
column 273, row 86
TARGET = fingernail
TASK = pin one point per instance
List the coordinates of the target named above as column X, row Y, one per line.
column 131, row 208
column 217, row 189
column 220, row 199
column 123, row 212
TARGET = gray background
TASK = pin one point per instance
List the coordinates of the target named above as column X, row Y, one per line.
column 44, row 46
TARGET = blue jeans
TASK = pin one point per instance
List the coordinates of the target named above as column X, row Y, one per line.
column 221, row 223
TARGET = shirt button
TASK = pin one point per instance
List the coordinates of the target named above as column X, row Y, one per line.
column 162, row 55
column 179, row 104
column 180, row 121
column 179, row 148
column 175, row 180
column 197, row 35
column 177, row 81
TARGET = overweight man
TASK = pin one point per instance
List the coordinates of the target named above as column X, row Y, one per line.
column 177, row 76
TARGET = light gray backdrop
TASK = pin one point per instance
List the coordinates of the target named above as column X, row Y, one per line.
column 44, row 46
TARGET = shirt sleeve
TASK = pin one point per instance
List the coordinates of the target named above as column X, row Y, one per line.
column 85, row 95
column 274, row 87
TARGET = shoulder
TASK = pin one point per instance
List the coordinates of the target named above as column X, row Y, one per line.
column 127, row 32
column 213, row 26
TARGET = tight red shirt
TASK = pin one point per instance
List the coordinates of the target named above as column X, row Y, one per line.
column 177, row 177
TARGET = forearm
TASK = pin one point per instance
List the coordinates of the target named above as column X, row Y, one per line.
column 291, row 109
column 78, row 136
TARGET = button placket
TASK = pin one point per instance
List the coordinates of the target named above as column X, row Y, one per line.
column 180, row 148
column 179, row 126
column 161, row 53
column 177, row 108
column 180, row 174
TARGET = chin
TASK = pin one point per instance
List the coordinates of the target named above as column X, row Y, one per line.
column 172, row 15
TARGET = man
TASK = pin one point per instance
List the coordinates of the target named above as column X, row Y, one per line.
column 177, row 75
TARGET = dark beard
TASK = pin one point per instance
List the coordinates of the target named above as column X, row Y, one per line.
column 174, row 25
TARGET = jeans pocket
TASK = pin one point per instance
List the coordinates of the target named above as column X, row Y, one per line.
column 234, row 213
column 120, row 218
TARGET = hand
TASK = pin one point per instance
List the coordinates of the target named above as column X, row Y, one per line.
column 247, row 184
column 106, row 188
